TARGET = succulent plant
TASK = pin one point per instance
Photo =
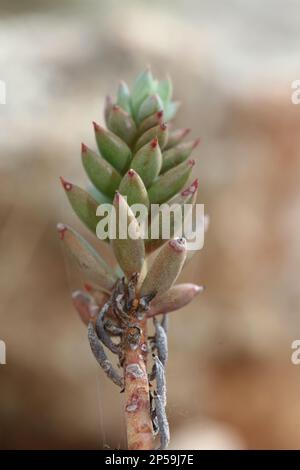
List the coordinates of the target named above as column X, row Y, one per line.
column 141, row 160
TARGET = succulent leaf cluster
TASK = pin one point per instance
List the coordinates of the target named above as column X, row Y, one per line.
column 142, row 159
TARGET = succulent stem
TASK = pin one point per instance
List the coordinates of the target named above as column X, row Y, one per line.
column 137, row 398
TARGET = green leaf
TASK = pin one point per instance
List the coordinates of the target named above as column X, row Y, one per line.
column 122, row 124
column 170, row 183
column 181, row 202
column 133, row 188
column 142, row 88
column 176, row 136
column 166, row 268
column 161, row 132
column 112, row 148
column 152, row 104
column 86, row 258
column 123, row 97
column 127, row 242
column 165, row 89
column 83, row 204
column 171, row 109
column 108, row 107
column 100, row 172
column 147, row 162
column 151, row 121
column 178, row 154
column 98, row 195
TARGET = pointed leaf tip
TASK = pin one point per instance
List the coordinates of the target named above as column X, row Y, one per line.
column 87, row 259
column 129, row 250
column 178, row 244
column 82, row 303
column 147, row 161
column 151, row 121
column 196, row 143
column 165, row 268
column 96, row 126
column 61, row 228
column 84, row 148
column 176, row 136
column 88, row 287
column 66, row 185
column 174, row 299
column 84, row 205
column 133, row 188
column 131, row 173
column 154, row 143
column 191, row 189
column 117, row 197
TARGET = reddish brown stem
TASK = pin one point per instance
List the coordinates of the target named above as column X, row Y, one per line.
column 137, row 401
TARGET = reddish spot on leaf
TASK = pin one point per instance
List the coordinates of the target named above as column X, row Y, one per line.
column 178, row 244
column 196, row 143
column 61, row 228
column 67, row 186
column 191, row 189
column 88, row 287
column 97, row 128
column 117, row 197
column 84, row 148
column 131, row 173
column 154, row 143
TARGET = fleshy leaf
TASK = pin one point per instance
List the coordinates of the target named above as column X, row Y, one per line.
column 122, row 124
column 130, row 250
column 123, row 97
column 108, row 107
column 98, row 195
column 165, row 89
column 82, row 303
column 151, row 121
column 112, row 148
column 160, row 131
column 142, row 87
column 170, row 183
column 166, row 268
column 152, row 104
column 171, row 109
column 133, row 188
column 147, row 161
column 176, row 136
column 83, row 204
column 86, row 258
column 100, row 172
column 184, row 201
column 174, row 299
column 178, row 154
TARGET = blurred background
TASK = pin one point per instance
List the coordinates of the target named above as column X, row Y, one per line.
column 230, row 378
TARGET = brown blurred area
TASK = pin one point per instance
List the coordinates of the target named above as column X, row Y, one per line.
column 230, row 378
